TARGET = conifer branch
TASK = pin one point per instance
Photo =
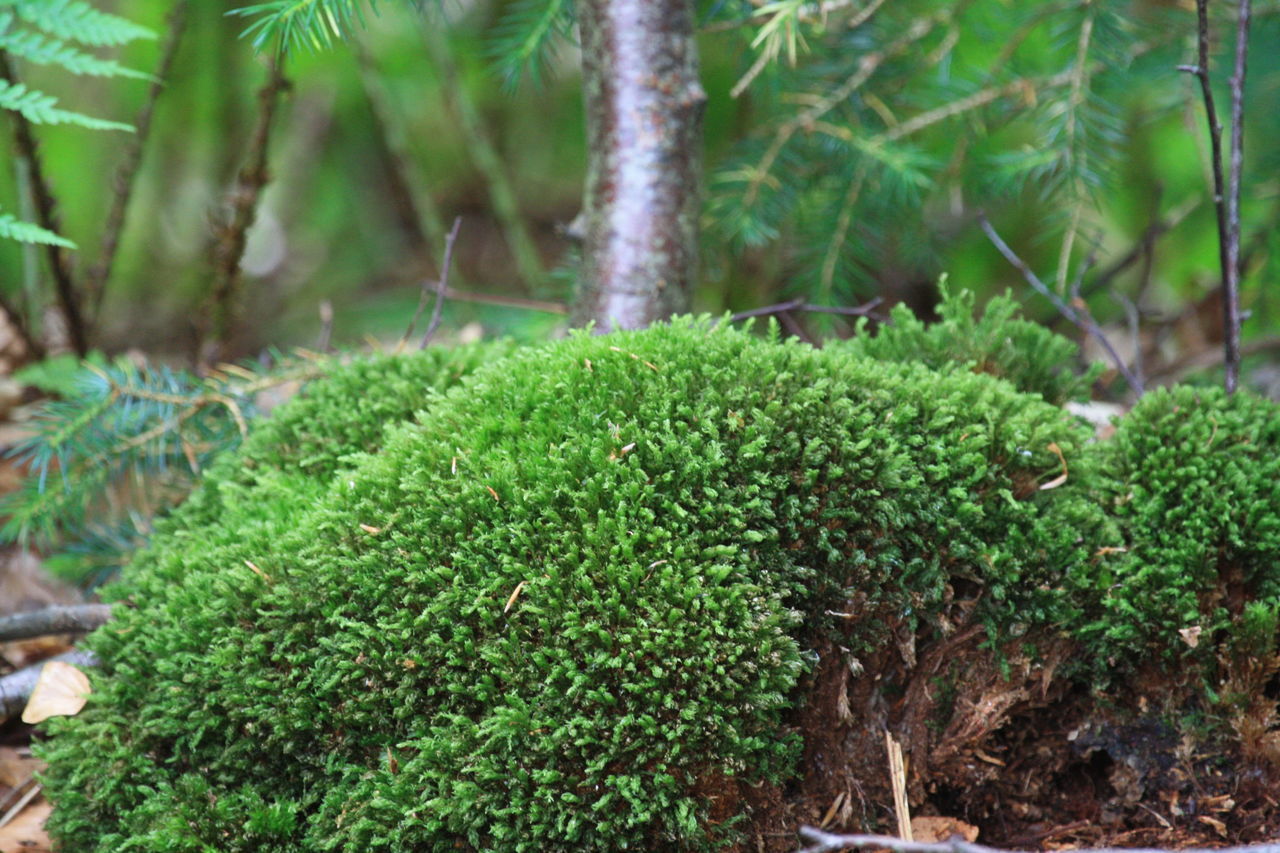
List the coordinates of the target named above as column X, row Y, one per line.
column 232, row 237
column 126, row 173
column 46, row 206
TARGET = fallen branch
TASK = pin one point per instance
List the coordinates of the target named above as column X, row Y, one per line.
column 16, row 687
column 827, row 842
column 59, row 619
column 444, row 282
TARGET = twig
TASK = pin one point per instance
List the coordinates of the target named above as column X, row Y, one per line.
column 1201, row 72
column 506, row 301
column 1082, row 319
column 229, row 246
column 16, row 687
column 443, row 284
column 95, row 282
column 47, row 216
column 19, row 323
column 59, row 619
column 326, row 326
column 827, row 842
column 864, row 310
column 1231, row 281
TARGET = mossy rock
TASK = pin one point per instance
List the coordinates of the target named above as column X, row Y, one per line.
column 581, row 588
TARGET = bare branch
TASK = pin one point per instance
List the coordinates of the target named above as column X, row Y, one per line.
column 1201, row 72
column 443, row 284
column 827, row 842
column 1231, row 281
column 233, row 234
column 59, row 619
column 780, row 308
column 1082, row 319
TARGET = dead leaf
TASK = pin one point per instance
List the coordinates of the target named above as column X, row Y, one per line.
column 61, row 691
column 25, row 833
column 1190, row 636
column 930, row 830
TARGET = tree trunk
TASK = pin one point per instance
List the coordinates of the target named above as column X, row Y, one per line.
column 644, row 119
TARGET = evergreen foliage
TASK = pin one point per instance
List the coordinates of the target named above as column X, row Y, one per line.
column 53, row 32
column 1000, row 342
column 585, row 582
column 1193, row 480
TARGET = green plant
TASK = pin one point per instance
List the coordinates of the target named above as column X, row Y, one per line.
column 579, row 589
column 1000, row 342
column 1192, row 478
column 56, row 34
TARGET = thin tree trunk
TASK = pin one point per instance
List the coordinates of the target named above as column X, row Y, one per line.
column 644, row 121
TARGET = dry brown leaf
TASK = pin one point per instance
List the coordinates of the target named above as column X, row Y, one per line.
column 17, row 767
column 60, row 691
column 25, row 833
column 929, row 830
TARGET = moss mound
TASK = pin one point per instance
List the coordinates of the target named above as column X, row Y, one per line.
column 1192, row 479
column 1000, row 343
column 578, row 594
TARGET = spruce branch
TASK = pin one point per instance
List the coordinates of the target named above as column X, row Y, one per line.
column 67, row 293
column 232, row 236
column 127, row 171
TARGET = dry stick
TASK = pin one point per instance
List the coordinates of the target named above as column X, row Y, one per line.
column 486, row 157
column 19, row 323
column 1083, row 320
column 443, row 284
column 229, row 246
column 827, row 842
column 1231, row 283
column 429, row 286
column 47, row 216
column 863, row 310
column 95, row 283
column 1201, row 71
column 59, row 619
column 506, row 301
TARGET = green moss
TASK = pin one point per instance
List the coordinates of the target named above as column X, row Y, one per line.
column 586, row 582
column 1192, row 478
column 1000, row 343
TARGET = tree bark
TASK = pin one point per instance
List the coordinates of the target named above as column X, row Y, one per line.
column 644, row 134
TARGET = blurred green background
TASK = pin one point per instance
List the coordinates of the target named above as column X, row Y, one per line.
column 342, row 218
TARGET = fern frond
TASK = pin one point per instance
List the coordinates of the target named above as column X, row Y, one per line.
column 39, row 108
column 43, row 50
column 75, row 20
column 13, row 228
